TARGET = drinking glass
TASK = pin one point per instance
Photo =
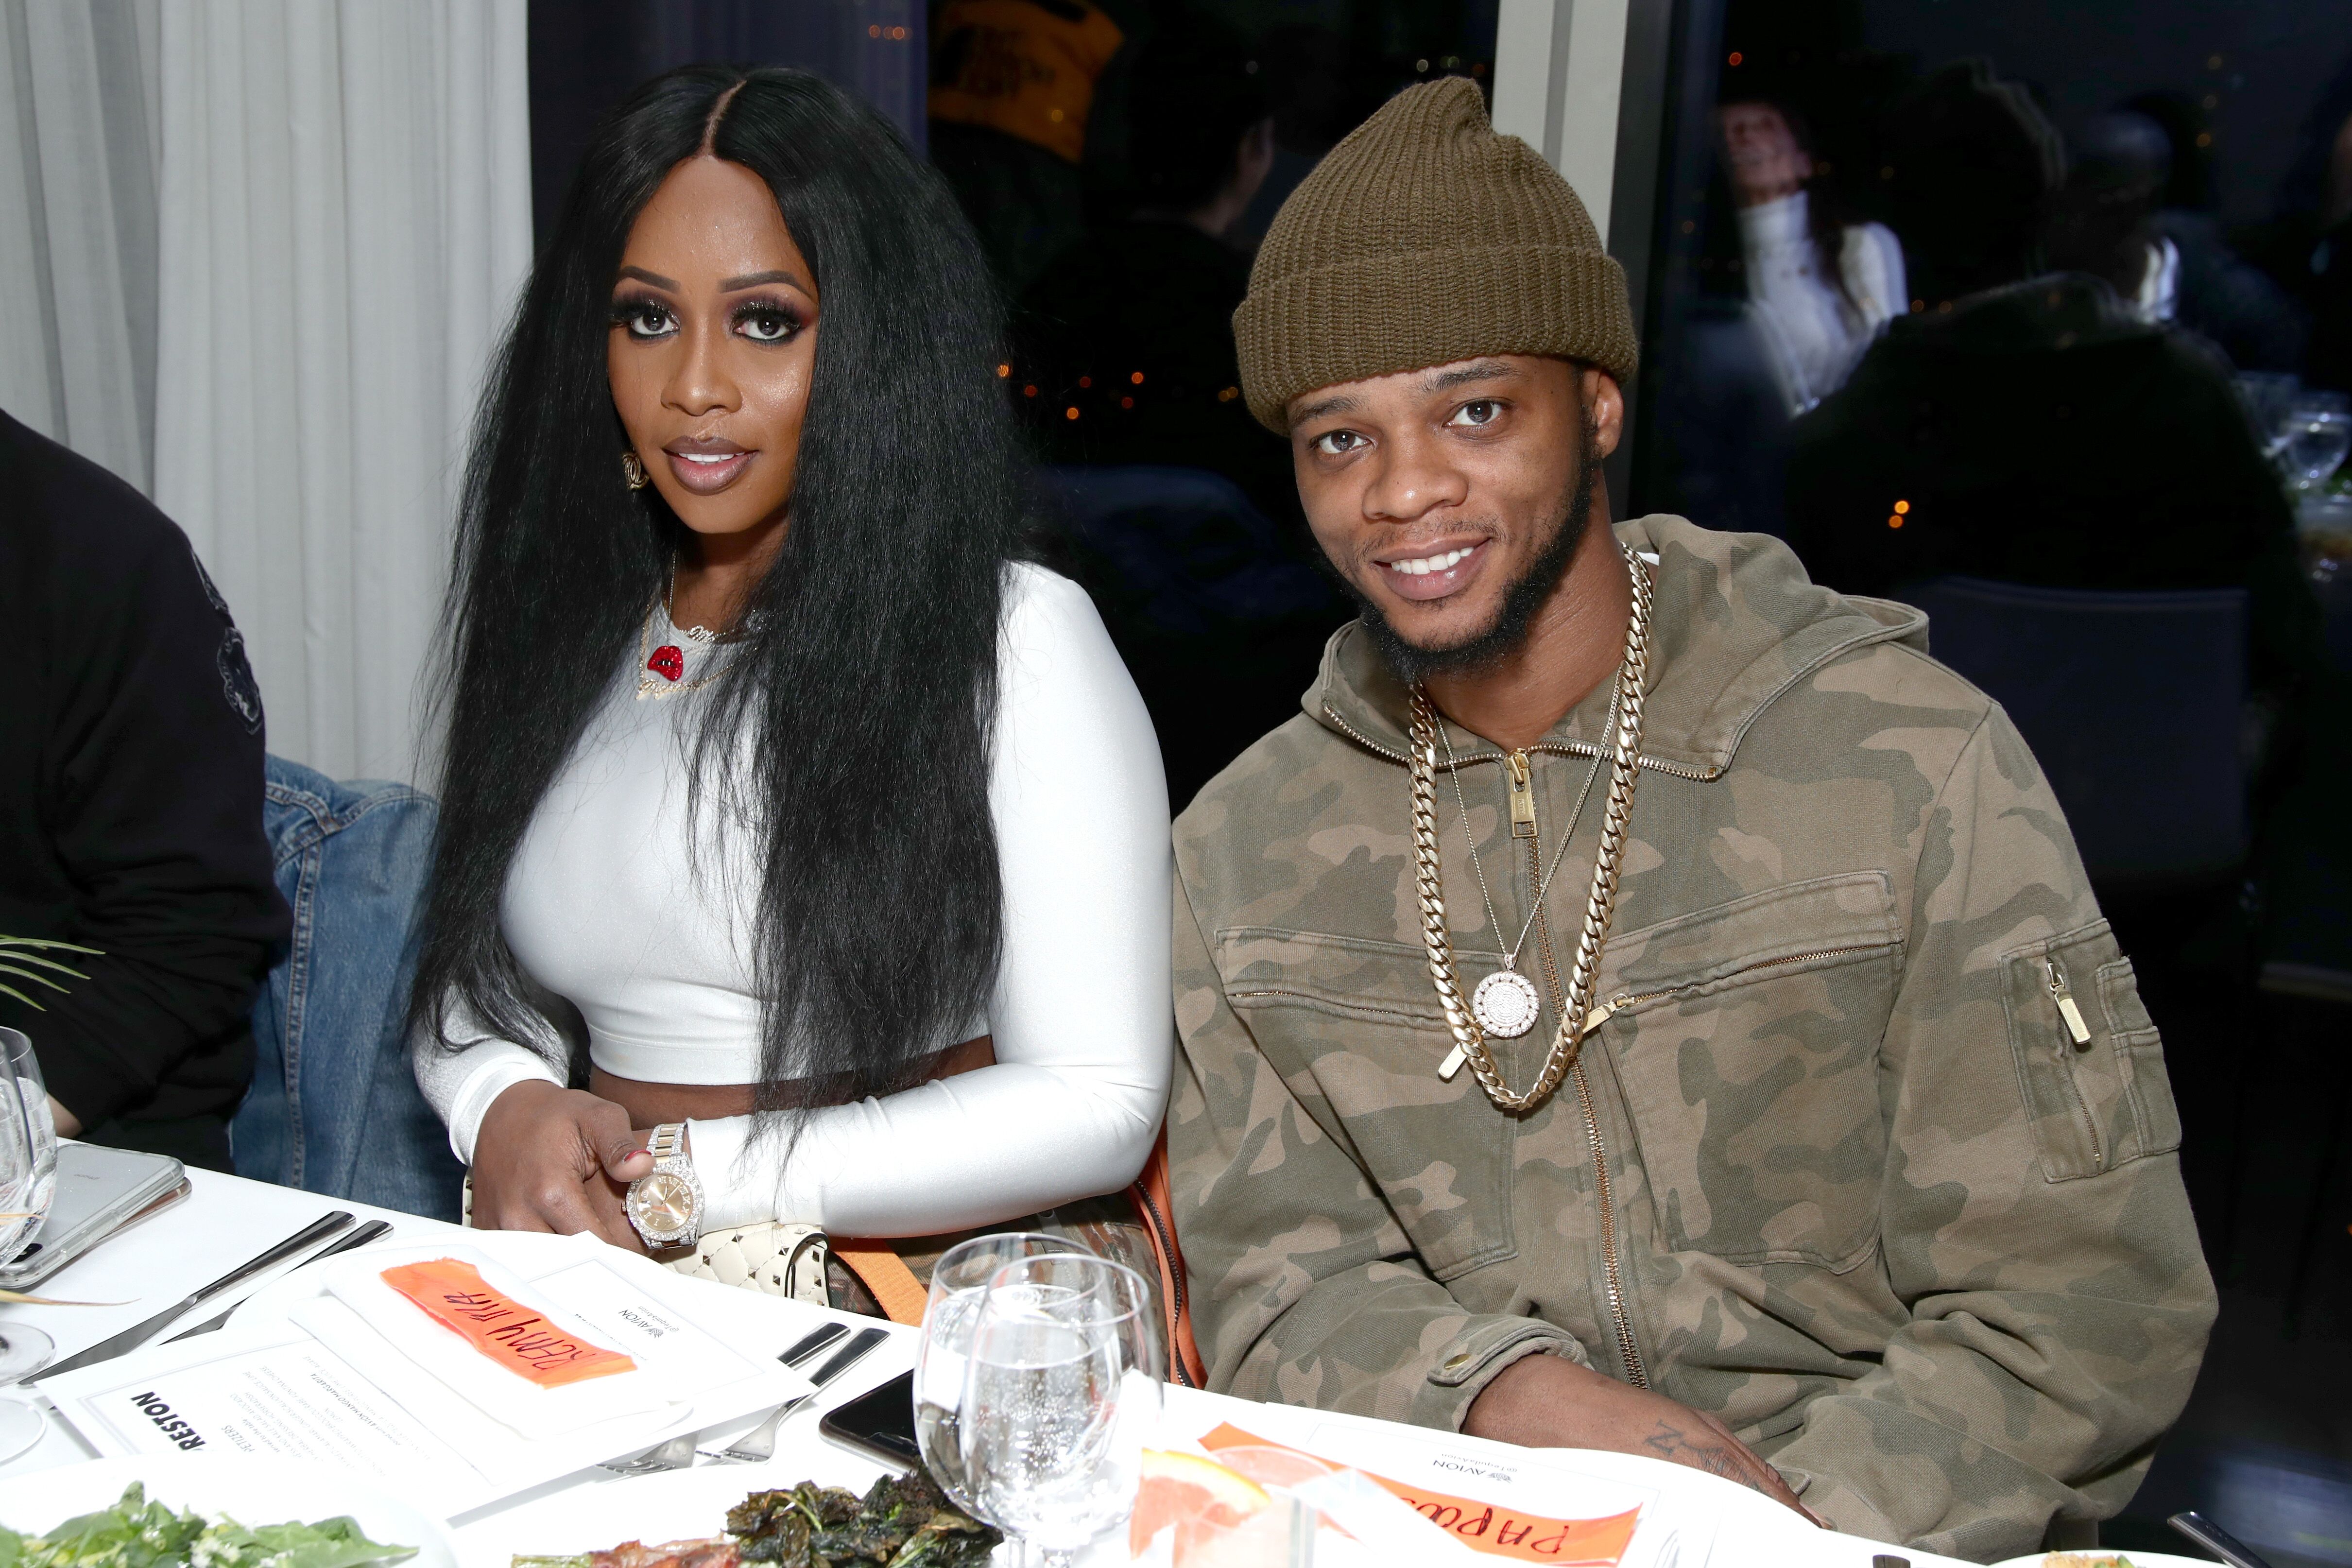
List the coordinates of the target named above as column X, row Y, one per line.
column 2318, row 435
column 2267, row 396
column 28, row 1179
column 959, row 1280
column 1062, row 1390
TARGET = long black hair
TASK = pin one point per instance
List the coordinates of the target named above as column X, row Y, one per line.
column 860, row 709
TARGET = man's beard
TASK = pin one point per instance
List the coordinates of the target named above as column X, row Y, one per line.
column 1521, row 600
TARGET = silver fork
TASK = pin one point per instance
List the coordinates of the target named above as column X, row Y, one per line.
column 758, row 1445
column 675, row 1454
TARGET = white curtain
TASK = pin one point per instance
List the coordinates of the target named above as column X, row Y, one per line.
column 80, row 137
column 345, row 222
column 259, row 253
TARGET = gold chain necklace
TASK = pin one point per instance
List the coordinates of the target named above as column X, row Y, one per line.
column 1469, row 1039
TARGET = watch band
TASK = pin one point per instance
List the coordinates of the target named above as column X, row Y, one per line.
column 667, row 1141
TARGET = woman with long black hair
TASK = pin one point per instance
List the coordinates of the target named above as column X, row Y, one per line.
column 785, row 806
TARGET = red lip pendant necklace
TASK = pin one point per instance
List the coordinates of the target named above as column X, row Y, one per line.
column 669, row 661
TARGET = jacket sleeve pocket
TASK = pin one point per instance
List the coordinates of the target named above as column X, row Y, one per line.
column 2089, row 1063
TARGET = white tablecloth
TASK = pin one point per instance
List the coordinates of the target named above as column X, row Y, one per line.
column 226, row 1220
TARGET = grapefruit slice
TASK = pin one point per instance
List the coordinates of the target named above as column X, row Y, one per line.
column 1184, row 1486
column 1272, row 1466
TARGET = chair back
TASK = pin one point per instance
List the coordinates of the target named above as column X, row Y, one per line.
column 2133, row 703
column 334, row 1108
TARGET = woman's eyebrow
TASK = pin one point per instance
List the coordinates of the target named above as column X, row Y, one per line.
column 753, row 279
column 655, row 278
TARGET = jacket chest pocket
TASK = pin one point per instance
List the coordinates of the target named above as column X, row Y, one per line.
column 2088, row 1059
column 1355, row 1021
column 1746, row 1039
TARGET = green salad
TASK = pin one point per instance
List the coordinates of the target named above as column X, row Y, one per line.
column 136, row 1534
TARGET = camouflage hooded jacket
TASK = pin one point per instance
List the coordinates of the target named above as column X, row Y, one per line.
column 1836, row 1169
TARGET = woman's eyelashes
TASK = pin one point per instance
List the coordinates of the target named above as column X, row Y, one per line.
column 767, row 320
column 643, row 317
column 756, row 321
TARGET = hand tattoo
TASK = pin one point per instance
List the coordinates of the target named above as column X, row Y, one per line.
column 1668, row 1442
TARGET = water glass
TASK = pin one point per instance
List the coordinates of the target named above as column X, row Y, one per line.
column 2268, row 395
column 28, row 1181
column 2318, row 435
column 959, row 1281
column 1061, row 1391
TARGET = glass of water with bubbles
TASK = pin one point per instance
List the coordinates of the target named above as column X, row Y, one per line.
column 958, row 1282
column 1062, row 1393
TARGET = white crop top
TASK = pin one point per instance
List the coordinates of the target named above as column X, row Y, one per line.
column 641, row 920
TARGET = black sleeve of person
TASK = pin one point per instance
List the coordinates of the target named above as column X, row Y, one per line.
column 146, row 821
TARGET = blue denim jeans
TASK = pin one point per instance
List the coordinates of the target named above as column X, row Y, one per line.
column 333, row 1107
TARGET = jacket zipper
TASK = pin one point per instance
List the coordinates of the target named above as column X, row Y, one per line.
column 1175, row 1279
column 1626, row 1348
column 1624, row 999
column 1604, row 1192
column 2071, row 1015
column 1565, row 749
column 1303, row 996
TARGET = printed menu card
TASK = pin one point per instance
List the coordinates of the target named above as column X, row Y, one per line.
column 458, row 1376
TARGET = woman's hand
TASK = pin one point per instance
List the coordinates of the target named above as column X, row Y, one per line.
column 557, row 1159
column 1548, row 1402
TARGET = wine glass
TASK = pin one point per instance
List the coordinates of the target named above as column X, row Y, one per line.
column 2318, row 435
column 28, row 1179
column 959, row 1280
column 1062, row 1390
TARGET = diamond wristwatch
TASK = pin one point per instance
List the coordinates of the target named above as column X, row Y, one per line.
column 665, row 1204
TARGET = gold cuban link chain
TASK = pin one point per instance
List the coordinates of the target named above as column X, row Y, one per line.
column 1600, row 904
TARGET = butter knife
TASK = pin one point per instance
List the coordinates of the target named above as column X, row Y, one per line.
column 130, row 1339
column 360, row 1237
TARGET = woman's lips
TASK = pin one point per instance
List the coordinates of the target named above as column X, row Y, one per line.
column 1433, row 574
column 707, row 473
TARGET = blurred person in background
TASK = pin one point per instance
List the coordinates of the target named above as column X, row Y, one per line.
column 2036, row 426
column 1793, row 292
column 1012, row 99
column 2102, row 217
column 130, row 801
column 1131, row 325
column 2308, row 247
column 1126, row 358
column 1822, row 287
column 2218, row 293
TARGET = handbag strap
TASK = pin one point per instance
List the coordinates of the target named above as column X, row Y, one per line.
column 878, row 1266
column 1154, row 1205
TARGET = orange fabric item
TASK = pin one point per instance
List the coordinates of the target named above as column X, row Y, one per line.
column 1022, row 68
column 885, row 1273
column 510, row 1333
column 1488, row 1527
column 1153, row 1206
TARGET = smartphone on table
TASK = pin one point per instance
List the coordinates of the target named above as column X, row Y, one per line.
column 99, row 1190
column 881, row 1422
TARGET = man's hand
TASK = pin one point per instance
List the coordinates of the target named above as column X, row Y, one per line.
column 69, row 1124
column 1546, row 1402
column 557, row 1159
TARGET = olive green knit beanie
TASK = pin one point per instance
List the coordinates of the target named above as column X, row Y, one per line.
column 1421, row 239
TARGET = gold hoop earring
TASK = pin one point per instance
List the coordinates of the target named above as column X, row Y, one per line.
column 633, row 471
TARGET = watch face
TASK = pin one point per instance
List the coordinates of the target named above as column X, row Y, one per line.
column 661, row 1204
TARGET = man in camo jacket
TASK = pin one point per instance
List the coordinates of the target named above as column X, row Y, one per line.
column 1862, row 1188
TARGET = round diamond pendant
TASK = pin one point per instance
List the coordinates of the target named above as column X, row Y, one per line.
column 1505, row 1004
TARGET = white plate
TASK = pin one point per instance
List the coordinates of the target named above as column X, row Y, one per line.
column 253, row 1491
column 2139, row 1559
